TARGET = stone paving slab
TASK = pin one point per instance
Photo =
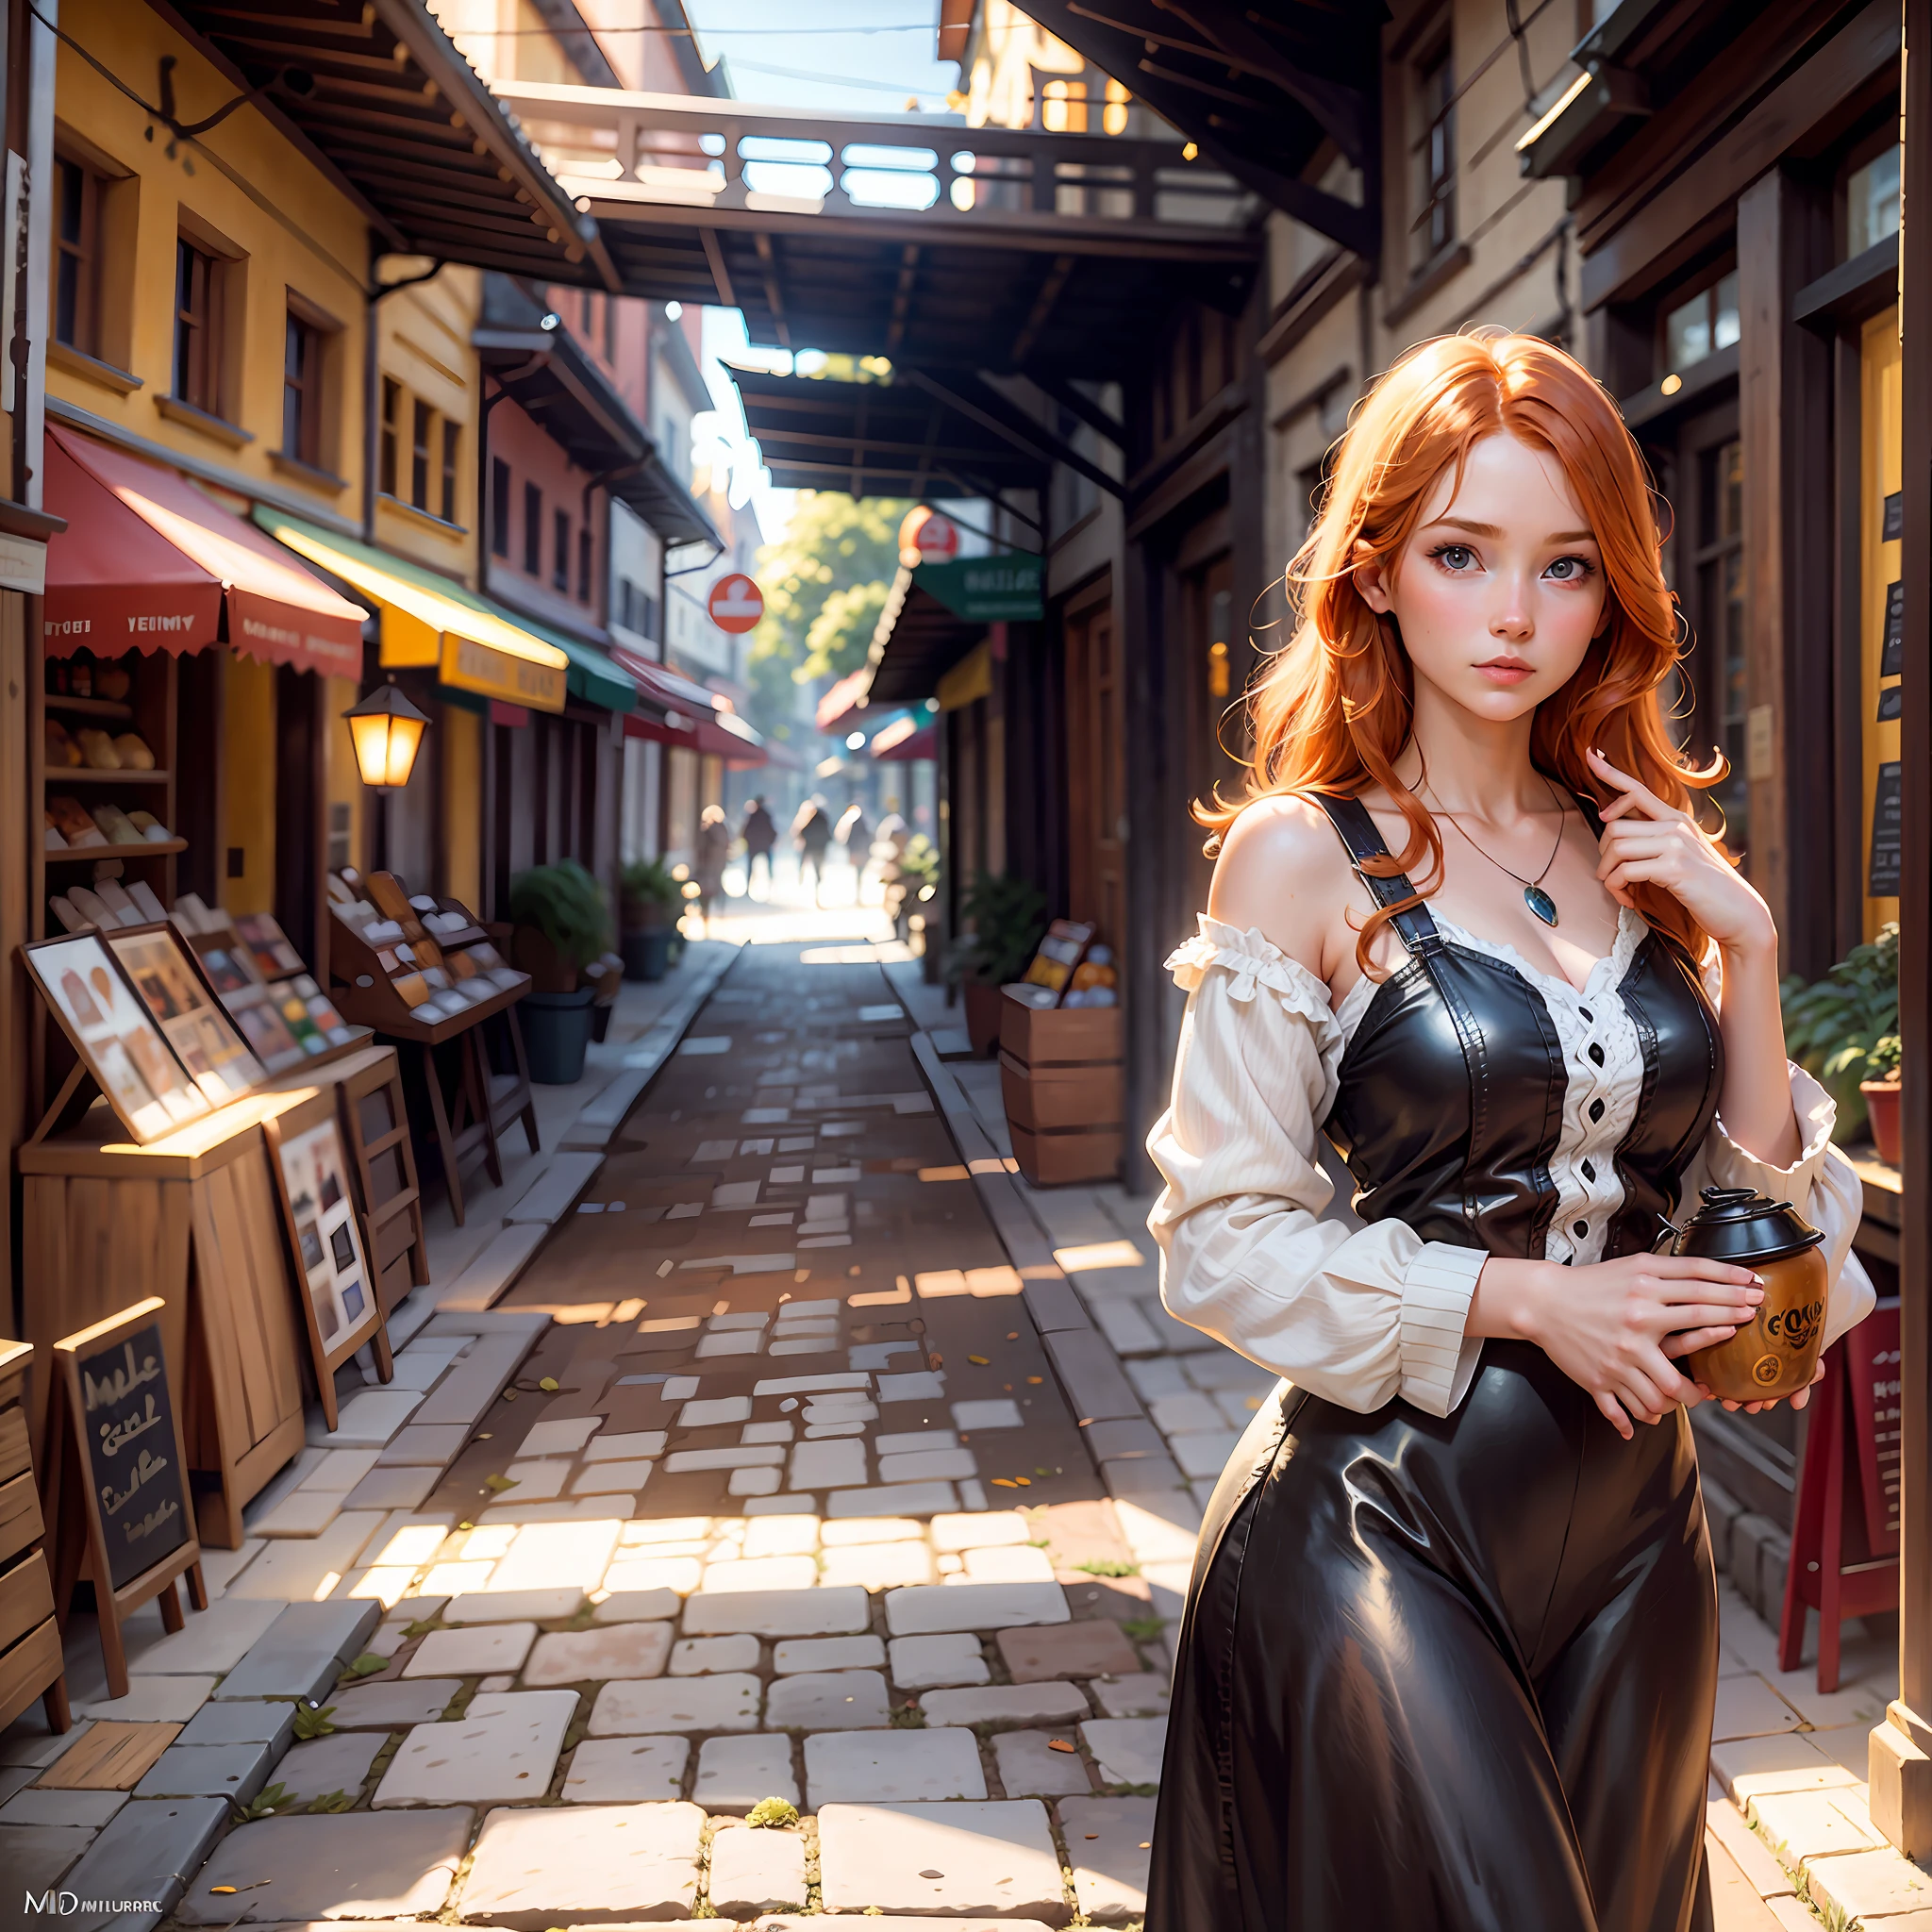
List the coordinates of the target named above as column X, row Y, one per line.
column 1108, row 1845
column 348, row 1865
column 150, row 1850
column 301, row 1652
column 340, row 1763
column 584, row 1865
column 1040, row 1764
column 550, row 1605
column 1127, row 1749
column 735, row 1774
column 503, row 1747
column 1092, row 1647
column 625, row 1771
column 778, row 1612
column 208, row 1771
column 786, row 1922
column 755, row 1871
column 89, row 1810
column 150, row 1701
column 920, row 1663
column 826, row 1654
column 614, row 1651
column 925, row 1610
column 1006, row 1704
column 389, row 1706
column 697, row 1656
column 36, row 1857
column 996, row 1856
column 828, row 1701
column 216, row 1639
column 856, row 1766
column 728, row 1702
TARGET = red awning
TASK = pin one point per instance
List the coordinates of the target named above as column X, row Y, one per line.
column 147, row 562
column 895, row 747
column 693, row 718
column 842, row 697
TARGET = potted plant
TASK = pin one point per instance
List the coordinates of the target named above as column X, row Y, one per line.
column 559, row 924
column 1005, row 918
column 1880, row 1087
column 1844, row 1031
column 649, row 901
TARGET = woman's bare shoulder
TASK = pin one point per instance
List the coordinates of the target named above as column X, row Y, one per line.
column 1283, row 871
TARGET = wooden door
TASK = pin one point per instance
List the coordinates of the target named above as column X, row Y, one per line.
column 1096, row 778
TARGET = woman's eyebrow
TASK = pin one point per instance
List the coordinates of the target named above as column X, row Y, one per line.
column 1491, row 530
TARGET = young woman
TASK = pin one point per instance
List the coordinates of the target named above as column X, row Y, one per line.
column 1450, row 1654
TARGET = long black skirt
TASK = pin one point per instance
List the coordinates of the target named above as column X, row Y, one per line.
column 1444, row 1674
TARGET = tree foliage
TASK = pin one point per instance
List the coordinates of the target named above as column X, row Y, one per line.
column 826, row 582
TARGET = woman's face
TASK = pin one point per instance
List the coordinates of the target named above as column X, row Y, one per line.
column 1501, row 588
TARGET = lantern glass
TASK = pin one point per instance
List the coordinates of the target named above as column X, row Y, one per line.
column 404, row 738
column 386, row 732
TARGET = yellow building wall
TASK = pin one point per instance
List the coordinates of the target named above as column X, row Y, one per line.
column 341, row 782
column 422, row 341
column 290, row 230
column 248, row 791
column 462, row 804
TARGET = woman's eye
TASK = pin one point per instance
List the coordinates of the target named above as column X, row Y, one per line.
column 1455, row 557
column 1567, row 570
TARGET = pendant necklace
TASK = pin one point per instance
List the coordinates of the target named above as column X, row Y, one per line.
column 1534, row 896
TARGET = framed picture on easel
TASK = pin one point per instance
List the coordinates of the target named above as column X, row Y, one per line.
column 340, row 1302
column 169, row 983
column 120, row 1043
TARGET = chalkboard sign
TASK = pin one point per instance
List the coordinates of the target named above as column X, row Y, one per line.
column 133, row 1467
column 1894, row 518
column 1888, row 831
column 1874, row 1361
column 119, row 1499
column 1892, row 702
column 1891, row 656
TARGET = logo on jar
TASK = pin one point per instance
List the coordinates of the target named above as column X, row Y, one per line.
column 1794, row 1327
column 1766, row 1369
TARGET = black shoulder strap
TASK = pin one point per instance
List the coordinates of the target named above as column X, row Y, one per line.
column 1359, row 838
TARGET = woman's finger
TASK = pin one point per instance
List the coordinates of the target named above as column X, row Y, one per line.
column 1613, row 1414
column 1633, row 789
column 1721, row 1274
column 1691, row 1339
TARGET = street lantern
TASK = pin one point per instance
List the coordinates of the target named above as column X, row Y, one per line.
column 386, row 729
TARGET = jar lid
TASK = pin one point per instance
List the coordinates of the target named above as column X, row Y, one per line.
column 1740, row 1225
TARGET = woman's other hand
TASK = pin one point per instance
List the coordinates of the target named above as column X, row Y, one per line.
column 1617, row 1328
column 1797, row 1400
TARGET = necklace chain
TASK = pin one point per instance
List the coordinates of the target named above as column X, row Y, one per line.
column 1539, row 901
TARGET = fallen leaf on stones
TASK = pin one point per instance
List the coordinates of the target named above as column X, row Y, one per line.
column 1013, row 1334
column 366, row 1665
column 548, row 1385
column 500, row 1483
column 1005, row 1482
column 509, row 1394
column 1034, row 1381
column 483, row 1436
column 978, row 1361
column 221, row 1888
column 936, row 1359
column 1090, row 1836
column 1057, row 1744
column 931, row 1873
column 1146, row 1844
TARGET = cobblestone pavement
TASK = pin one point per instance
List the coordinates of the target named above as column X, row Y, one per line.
column 799, row 1533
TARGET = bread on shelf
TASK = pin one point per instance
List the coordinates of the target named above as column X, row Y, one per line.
column 98, row 748
column 131, row 748
column 62, row 752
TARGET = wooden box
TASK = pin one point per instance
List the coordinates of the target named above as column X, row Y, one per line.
column 30, row 1662
column 1061, row 1079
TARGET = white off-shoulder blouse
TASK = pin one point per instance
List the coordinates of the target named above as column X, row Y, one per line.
column 1252, row 1252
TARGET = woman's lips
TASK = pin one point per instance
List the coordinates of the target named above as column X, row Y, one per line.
column 1506, row 670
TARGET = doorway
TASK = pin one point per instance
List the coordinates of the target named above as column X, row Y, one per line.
column 1096, row 769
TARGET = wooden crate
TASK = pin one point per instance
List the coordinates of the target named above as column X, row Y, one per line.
column 1045, row 1098
column 1061, row 1079
column 1059, row 1036
column 30, row 1662
column 1054, row 1160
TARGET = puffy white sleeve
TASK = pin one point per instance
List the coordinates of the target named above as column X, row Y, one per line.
column 1821, row 1184
column 1355, row 1317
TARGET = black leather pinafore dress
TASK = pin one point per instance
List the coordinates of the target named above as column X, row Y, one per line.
column 1456, row 1674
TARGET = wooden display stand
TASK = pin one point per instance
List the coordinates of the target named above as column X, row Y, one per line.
column 30, row 1662
column 193, row 1218
column 1060, row 1078
column 1844, row 1538
column 375, row 1128
column 117, row 1479
column 467, row 1124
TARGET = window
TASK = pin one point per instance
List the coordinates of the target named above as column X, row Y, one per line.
column 76, row 267
column 197, row 343
column 422, row 434
column 610, row 328
column 391, row 427
column 560, row 555
column 1063, row 107
column 1701, row 326
column 1872, row 203
column 302, row 392
column 499, row 509
column 1719, row 558
column 533, row 530
column 452, row 442
column 1434, row 150
column 586, row 559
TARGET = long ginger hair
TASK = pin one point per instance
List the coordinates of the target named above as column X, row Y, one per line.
column 1334, row 708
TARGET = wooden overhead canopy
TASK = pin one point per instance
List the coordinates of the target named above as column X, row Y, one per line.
column 376, row 93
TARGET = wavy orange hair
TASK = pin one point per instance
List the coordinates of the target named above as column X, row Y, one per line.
column 1332, row 711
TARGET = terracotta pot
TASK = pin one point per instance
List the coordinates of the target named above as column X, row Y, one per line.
column 531, row 951
column 983, row 1011
column 1881, row 1106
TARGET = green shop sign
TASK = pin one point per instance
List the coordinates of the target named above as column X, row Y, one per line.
column 986, row 590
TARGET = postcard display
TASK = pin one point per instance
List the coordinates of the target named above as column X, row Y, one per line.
column 177, row 1198
column 424, row 971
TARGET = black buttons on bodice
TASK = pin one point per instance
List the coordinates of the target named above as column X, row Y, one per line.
column 1596, row 1109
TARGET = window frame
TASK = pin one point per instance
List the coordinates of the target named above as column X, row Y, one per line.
column 533, row 530
column 388, row 454
column 421, row 447
column 500, row 498
column 560, row 548
column 307, row 383
column 84, row 253
column 1433, row 190
column 451, row 451
column 196, row 363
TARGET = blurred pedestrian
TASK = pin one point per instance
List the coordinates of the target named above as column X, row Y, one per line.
column 761, row 835
column 813, row 831
column 714, row 847
column 856, row 836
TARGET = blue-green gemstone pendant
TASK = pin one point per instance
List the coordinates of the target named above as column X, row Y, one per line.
column 1541, row 903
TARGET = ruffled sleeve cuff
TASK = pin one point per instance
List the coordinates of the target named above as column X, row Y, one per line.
column 1438, row 1358
column 1731, row 1166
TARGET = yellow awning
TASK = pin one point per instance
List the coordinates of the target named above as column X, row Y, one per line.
column 471, row 649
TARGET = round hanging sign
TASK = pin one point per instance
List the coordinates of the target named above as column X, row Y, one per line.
column 736, row 603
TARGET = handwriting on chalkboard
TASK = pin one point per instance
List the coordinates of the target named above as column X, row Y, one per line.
column 134, row 1467
column 1887, row 866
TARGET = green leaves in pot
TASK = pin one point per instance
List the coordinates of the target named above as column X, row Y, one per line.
column 1005, row 918
column 1844, row 1028
column 566, row 905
